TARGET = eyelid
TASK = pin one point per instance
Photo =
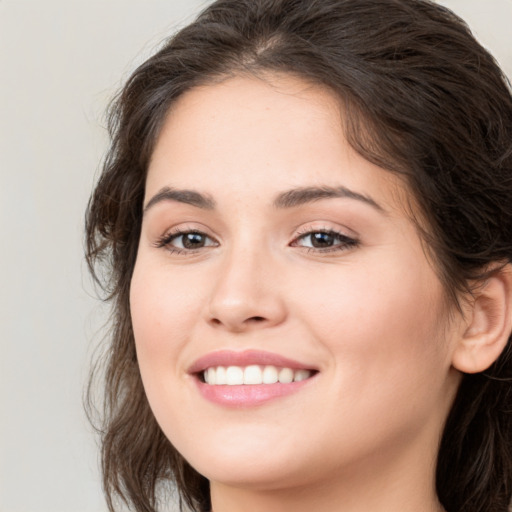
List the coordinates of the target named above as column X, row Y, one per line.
column 325, row 227
column 344, row 240
column 174, row 232
column 347, row 241
column 187, row 227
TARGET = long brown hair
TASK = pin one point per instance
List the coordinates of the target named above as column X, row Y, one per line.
column 423, row 99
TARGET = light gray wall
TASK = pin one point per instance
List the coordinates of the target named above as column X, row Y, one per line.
column 60, row 62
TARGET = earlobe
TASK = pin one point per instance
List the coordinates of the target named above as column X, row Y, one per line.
column 489, row 324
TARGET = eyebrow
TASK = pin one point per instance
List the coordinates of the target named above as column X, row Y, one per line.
column 288, row 199
column 299, row 196
column 181, row 196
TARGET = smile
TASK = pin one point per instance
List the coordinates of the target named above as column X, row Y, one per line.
column 249, row 378
column 253, row 375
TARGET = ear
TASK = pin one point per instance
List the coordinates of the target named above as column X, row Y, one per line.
column 488, row 324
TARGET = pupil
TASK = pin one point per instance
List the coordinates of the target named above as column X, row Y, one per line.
column 193, row 240
column 322, row 240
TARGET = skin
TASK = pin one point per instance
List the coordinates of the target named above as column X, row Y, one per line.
column 369, row 315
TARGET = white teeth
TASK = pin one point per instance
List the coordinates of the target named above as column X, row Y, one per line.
column 210, row 376
column 270, row 375
column 234, row 376
column 299, row 375
column 220, row 373
column 286, row 376
column 253, row 374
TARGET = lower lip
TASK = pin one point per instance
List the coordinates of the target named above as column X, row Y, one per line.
column 248, row 395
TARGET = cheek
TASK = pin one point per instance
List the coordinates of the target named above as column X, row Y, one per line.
column 162, row 315
column 166, row 306
column 384, row 331
column 163, row 305
column 385, row 319
column 156, row 304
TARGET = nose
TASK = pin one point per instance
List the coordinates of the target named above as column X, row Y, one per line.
column 246, row 293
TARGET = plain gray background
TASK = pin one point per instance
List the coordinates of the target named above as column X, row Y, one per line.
column 60, row 62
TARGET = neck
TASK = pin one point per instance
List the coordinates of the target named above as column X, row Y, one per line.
column 320, row 499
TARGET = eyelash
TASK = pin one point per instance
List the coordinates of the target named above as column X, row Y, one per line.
column 345, row 242
column 166, row 240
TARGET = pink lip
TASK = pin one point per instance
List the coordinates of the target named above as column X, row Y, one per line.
column 246, row 395
column 245, row 358
column 249, row 395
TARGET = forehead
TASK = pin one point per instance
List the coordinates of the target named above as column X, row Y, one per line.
column 260, row 134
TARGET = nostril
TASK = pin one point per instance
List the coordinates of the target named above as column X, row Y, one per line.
column 238, row 324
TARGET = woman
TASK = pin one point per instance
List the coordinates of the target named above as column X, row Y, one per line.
column 305, row 226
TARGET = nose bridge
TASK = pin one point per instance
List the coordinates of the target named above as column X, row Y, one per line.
column 245, row 295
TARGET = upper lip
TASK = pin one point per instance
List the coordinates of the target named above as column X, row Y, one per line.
column 245, row 358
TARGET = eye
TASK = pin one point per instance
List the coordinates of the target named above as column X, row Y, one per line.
column 324, row 241
column 186, row 241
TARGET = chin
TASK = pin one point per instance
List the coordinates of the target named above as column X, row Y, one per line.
column 265, row 474
column 247, row 458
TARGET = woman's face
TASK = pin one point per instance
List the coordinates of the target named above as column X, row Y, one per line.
column 270, row 250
